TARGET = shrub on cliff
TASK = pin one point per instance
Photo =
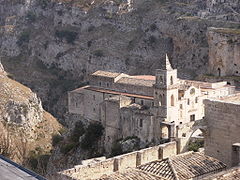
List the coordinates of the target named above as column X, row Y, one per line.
column 68, row 147
column 93, row 133
column 56, row 139
column 69, row 36
column 78, row 131
column 24, row 37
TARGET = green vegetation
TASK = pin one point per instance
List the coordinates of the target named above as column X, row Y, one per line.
column 68, row 147
column 152, row 39
column 98, row 53
column 43, row 3
column 116, row 149
column 31, row 17
column 69, row 36
column 194, row 146
column 93, row 133
column 153, row 27
column 38, row 161
column 117, row 146
column 56, row 139
column 24, row 37
column 78, row 131
column 227, row 31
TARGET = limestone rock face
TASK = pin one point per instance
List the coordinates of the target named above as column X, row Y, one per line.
column 24, row 125
column 224, row 51
column 52, row 46
column 1, row 68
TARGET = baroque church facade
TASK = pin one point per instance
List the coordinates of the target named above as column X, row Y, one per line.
column 149, row 107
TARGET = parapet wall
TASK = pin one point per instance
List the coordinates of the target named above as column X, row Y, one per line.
column 119, row 163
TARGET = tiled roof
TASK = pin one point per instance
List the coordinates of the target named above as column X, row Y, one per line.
column 144, row 77
column 106, row 74
column 112, row 92
column 231, row 174
column 160, row 168
column 136, row 81
column 184, row 166
column 131, row 174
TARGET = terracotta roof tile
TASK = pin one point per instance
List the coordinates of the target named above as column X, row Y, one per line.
column 131, row 174
column 184, row 166
column 136, row 81
column 106, row 74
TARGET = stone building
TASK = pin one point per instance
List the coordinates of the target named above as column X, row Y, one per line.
column 223, row 129
column 149, row 107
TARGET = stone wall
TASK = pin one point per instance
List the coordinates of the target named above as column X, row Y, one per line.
column 118, row 163
column 223, row 129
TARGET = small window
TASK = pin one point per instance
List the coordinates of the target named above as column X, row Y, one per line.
column 183, row 134
column 188, row 101
column 107, row 84
column 172, row 100
column 171, row 80
column 142, row 102
column 76, row 104
column 94, row 109
column 196, row 100
column 141, row 123
column 181, row 106
column 94, row 97
column 192, row 117
column 100, row 83
column 152, row 104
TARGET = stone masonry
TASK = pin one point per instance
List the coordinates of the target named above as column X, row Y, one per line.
column 223, row 126
column 149, row 107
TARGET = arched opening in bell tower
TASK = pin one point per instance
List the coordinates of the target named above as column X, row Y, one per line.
column 172, row 100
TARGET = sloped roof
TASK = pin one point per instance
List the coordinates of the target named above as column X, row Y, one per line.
column 106, row 74
column 231, row 174
column 136, row 81
column 131, row 174
column 10, row 170
column 183, row 166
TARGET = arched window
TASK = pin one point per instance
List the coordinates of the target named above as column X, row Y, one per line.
column 171, row 80
column 219, row 72
column 172, row 100
column 160, row 100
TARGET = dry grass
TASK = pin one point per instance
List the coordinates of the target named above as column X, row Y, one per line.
column 227, row 31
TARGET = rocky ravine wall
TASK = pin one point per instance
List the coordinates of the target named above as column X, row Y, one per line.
column 224, row 51
column 56, row 45
column 24, row 125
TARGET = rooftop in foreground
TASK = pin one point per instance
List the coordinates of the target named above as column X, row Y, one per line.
column 10, row 170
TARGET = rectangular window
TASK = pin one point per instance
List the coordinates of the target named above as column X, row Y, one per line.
column 142, row 102
column 141, row 123
column 192, row 117
column 196, row 100
column 181, row 107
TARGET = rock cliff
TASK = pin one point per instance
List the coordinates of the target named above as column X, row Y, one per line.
column 26, row 129
column 57, row 44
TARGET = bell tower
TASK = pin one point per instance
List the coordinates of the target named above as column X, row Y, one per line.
column 166, row 92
